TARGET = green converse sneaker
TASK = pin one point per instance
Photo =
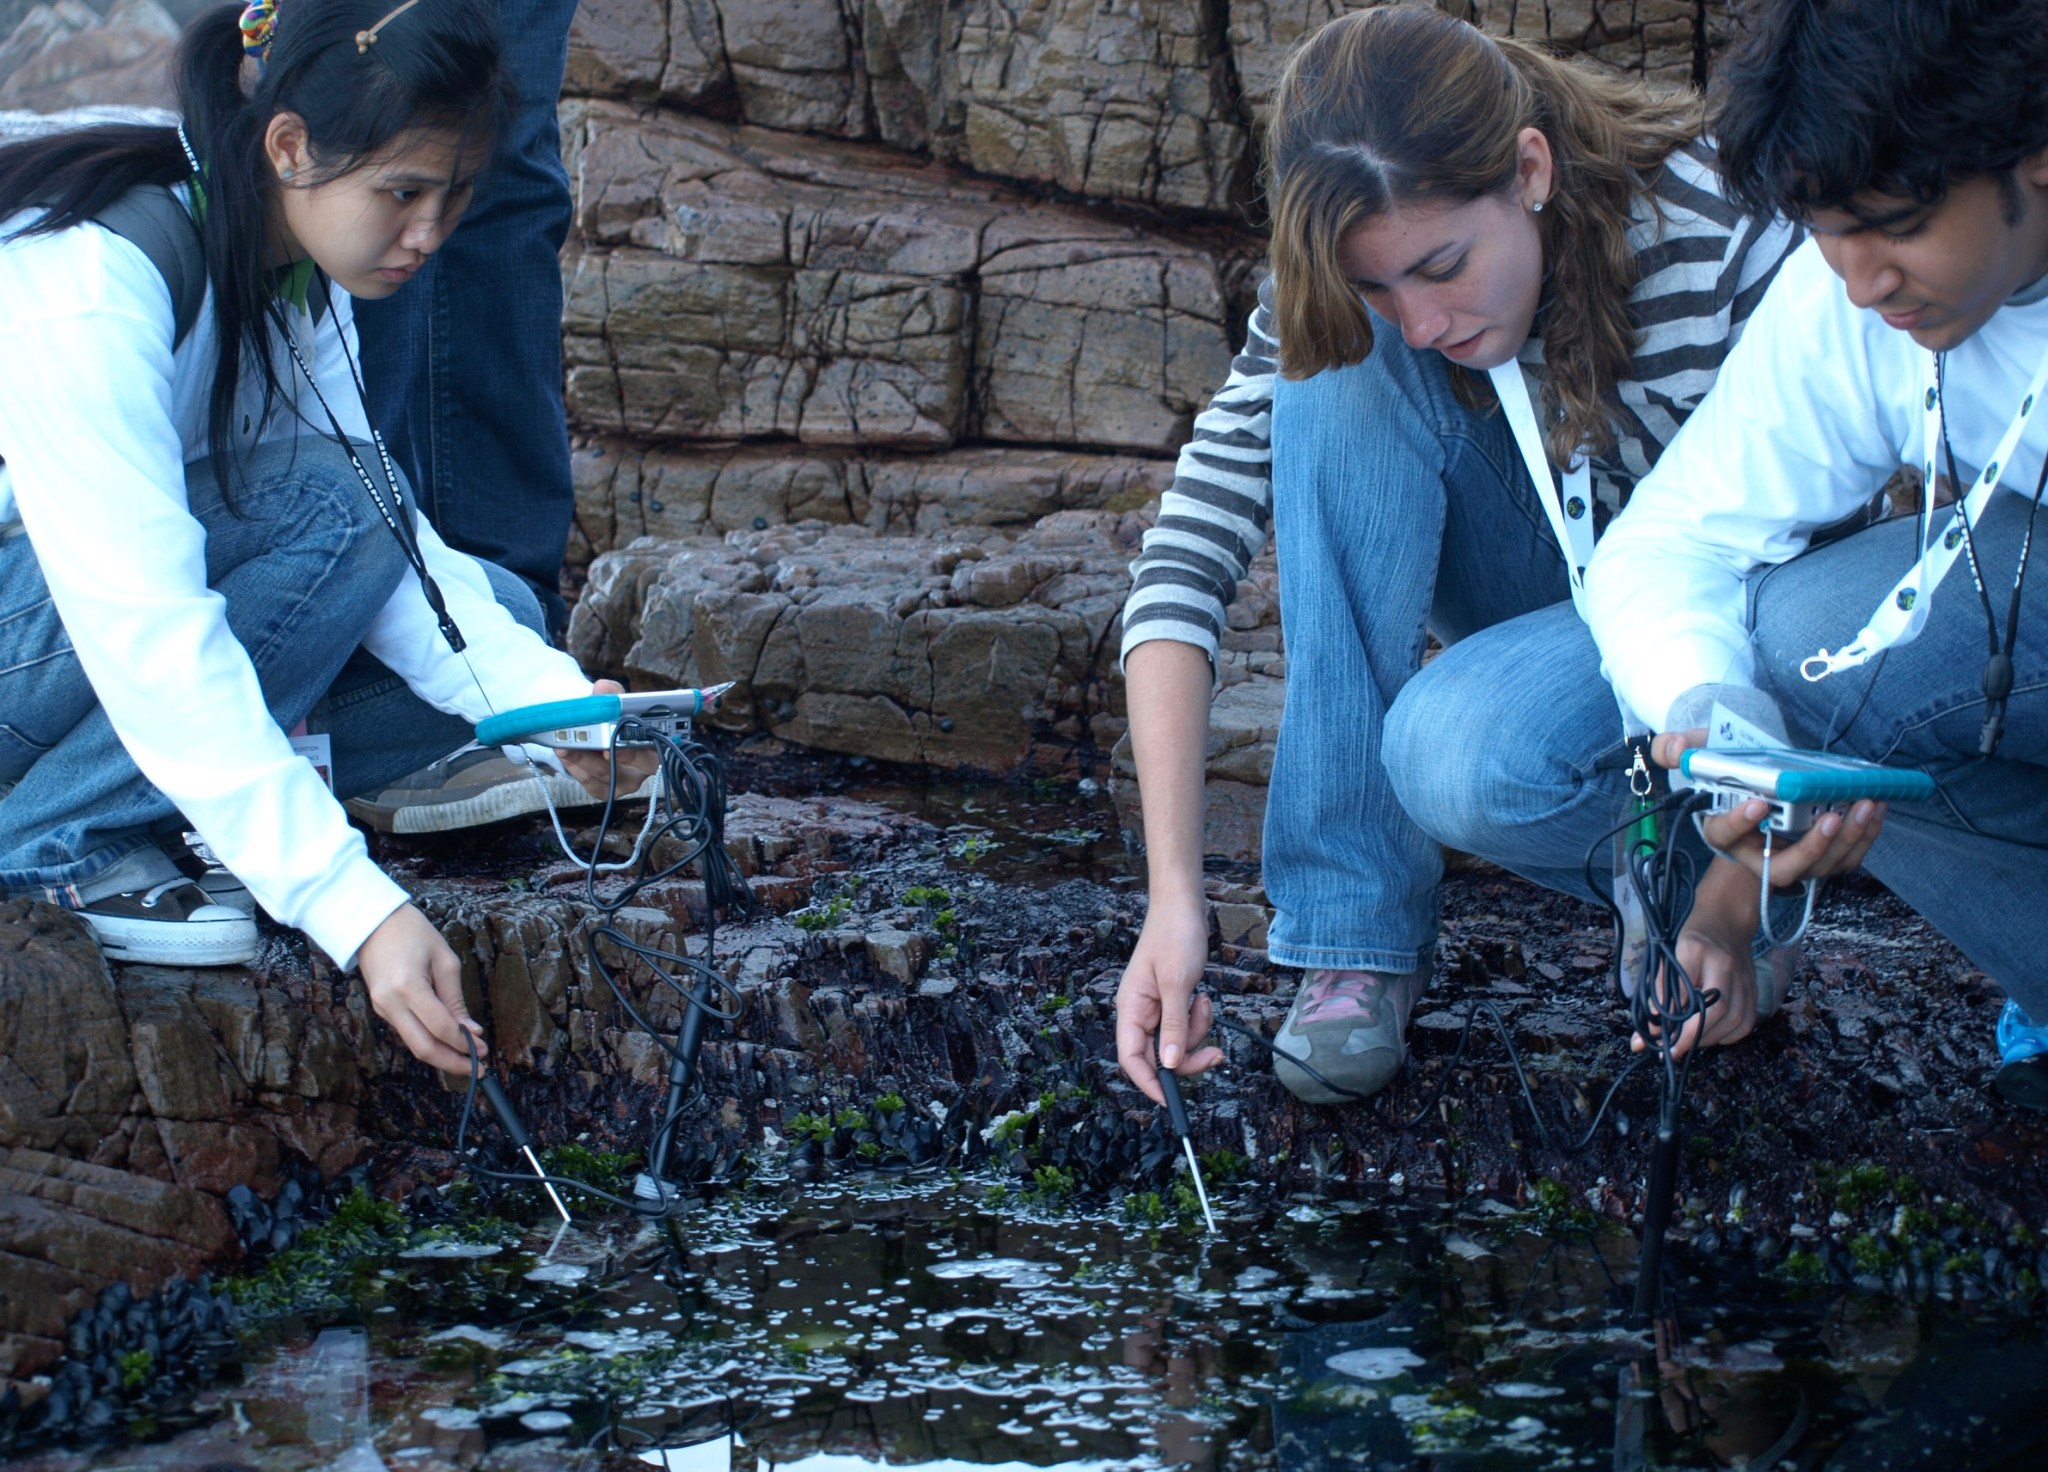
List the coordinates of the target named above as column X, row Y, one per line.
column 1350, row 1027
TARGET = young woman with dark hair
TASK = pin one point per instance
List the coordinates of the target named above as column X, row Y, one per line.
column 1501, row 281
column 202, row 542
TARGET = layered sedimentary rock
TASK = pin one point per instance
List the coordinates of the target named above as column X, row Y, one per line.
column 625, row 490
column 68, row 55
column 913, row 270
column 1131, row 101
column 735, row 284
column 1153, row 102
column 959, row 650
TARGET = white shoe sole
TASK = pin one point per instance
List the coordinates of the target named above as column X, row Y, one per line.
column 227, row 938
column 499, row 803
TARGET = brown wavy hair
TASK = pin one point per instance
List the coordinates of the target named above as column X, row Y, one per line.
column 1403, row 104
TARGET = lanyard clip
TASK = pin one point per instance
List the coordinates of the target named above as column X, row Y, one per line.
column 1645, row 780
column 442, row 617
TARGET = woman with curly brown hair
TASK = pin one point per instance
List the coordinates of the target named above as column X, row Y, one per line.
column 1501, row 281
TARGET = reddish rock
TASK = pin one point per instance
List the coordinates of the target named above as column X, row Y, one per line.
column 66, row 55
column 69, row 1229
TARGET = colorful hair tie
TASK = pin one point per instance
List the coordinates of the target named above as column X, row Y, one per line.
column 259, row 24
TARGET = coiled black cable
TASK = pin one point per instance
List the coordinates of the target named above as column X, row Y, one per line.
column 692, row 796
column 1664, row 876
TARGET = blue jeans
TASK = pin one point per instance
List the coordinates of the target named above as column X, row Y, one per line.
column 303, row 567
column 464, row 365
column 1526, row 718
column 1397, row 510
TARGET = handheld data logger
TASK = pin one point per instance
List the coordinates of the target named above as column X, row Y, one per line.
column 1799, row 785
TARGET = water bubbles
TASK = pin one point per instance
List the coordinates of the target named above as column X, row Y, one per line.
column 1014, row 1272
column 442, row 1250
column 563, row 1273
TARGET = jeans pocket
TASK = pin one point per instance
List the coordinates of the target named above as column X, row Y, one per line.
column 18, row 752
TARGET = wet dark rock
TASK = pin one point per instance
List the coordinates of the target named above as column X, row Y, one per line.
column 1007, row 1012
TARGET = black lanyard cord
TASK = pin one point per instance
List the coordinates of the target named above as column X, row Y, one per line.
column 393, row 512
column 1998, row 671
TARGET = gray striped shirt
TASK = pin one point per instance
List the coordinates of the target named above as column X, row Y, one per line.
column 1702, row 267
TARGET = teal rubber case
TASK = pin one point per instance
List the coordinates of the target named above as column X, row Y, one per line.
column 517, row 725
column 1821, row 777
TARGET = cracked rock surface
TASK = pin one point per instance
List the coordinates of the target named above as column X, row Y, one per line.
column 961, row 650
column 738, row 284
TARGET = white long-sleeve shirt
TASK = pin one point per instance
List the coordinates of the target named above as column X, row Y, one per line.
column 1814, row 410
column 98, row 421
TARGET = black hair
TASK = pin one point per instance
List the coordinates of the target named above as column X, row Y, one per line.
column 436, row 66
column 1823, row 101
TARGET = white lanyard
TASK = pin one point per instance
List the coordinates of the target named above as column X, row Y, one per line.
column 1902, row 615
column 1570, row 509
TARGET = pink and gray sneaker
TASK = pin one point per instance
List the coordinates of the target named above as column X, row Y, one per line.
column 1350, row 1027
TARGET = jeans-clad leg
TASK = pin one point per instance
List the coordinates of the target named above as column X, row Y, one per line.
column 1972, row 861
column 304, row 567
column 1396, row 509
column 464, row 366
column 379, row 729
column 1496, row 748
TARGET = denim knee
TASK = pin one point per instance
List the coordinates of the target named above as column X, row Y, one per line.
column 1497, row 737
column 516, row 596
column 1434, row 754
column 303, row 495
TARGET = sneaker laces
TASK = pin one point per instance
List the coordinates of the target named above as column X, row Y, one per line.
column 156, row 892
column 1340, row 994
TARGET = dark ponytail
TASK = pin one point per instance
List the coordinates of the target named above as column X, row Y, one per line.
column 435, row 66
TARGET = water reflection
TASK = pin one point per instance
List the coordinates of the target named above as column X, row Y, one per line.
column 903, row 1326
column 715, row 1455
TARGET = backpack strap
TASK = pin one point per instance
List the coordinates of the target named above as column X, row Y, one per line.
column 157, row 223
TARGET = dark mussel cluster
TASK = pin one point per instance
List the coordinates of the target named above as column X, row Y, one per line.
column 130, row 1359
column 904, row 1138
column 698, row 1162
column 1104, row 1150
column 270, row 1227
column 126, row 1359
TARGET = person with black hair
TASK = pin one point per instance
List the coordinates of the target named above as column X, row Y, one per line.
column 198, row 523
column 1911, row 136
column 474, row 415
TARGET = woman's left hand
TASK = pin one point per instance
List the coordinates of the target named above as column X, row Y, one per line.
column 593, row 768
column 1713, row 948
column 1835, row 844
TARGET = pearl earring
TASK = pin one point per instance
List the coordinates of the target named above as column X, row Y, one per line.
column 288, row 173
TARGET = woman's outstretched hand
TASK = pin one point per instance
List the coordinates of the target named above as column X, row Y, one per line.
column 1154, row 997
column 1835, row 844
column 593, row 768
column 415, row 984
